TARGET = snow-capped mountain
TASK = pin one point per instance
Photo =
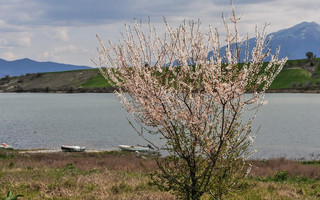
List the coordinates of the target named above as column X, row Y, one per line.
column 298, row 40
column 294, row 41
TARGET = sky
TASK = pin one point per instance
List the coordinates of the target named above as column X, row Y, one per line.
column 65, row 31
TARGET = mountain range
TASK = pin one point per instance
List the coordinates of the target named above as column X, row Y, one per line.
column 24, row 66
column 295, row 42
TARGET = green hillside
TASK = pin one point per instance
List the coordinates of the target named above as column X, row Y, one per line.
column 97, row 81
column 288, row 76
column 297, row 76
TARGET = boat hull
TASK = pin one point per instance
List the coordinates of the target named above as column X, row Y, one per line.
column 133, row 148
column 5, row 146
column 72, row 148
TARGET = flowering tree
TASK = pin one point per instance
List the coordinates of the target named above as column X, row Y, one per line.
column 194, row 101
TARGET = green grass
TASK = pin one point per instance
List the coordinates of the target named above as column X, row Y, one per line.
column 288, row 76
column 318, row 68
column 77, row 70
column 313, row 162
column 97, row 81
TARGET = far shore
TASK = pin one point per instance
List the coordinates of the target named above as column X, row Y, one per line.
column 313, row 90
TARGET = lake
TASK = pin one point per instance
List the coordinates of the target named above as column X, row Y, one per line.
column 289, row 123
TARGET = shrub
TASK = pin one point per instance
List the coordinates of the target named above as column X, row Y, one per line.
column 308, row 84
column 312, row 64
column 121, row 188
column 194, row 103
column 294, row 84
column 47, row 89
column 280, row 176
column 309, row 55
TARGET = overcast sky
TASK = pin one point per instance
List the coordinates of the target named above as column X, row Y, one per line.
column 64, row 30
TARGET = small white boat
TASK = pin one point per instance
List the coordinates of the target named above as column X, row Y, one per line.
column 68, row 148
column 133, row 148
column 5, row 146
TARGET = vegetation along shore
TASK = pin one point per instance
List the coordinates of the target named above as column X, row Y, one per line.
column 298, row 76
column 123, row 175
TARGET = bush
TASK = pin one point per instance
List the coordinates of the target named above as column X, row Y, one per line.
column 288, row 65
column 280, row 176
column 121, row 188
column 195, row 105
column 309, row 55
column 294, row 84
column 312, row 64
column 308, row 84
column 5, row 154
column 70, row 90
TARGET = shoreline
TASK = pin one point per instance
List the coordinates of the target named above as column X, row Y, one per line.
column 23, row 151
column 108, row 90
column 116, row 150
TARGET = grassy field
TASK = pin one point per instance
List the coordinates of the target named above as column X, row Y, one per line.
column 298, row 74
column 117, row 175
column 97, row 81
column 288, row 76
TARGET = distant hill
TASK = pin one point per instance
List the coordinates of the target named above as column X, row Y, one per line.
column 294, row 41
column 89, row 80
column 297, row 76
column 24, row 66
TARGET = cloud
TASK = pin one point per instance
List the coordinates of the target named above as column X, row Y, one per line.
column 58, row 33
column 97, row 12
column 238, row 2
column 45, row 54
column 8, row 55
column 62, row 34
column 16, row 40
column 65, row 31
column 64, row 51
column 23, row 41
column 89, row 13
column 18, row 12
column 64, row 13
column 73, row 54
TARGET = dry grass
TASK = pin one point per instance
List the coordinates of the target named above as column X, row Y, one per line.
column 78, row 176
column 85, row 161
column 113, row 175
column 268, row 168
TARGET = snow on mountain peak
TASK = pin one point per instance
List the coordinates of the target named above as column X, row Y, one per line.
column 304, row 30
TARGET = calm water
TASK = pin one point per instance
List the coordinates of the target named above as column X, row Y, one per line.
column 290, row 123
